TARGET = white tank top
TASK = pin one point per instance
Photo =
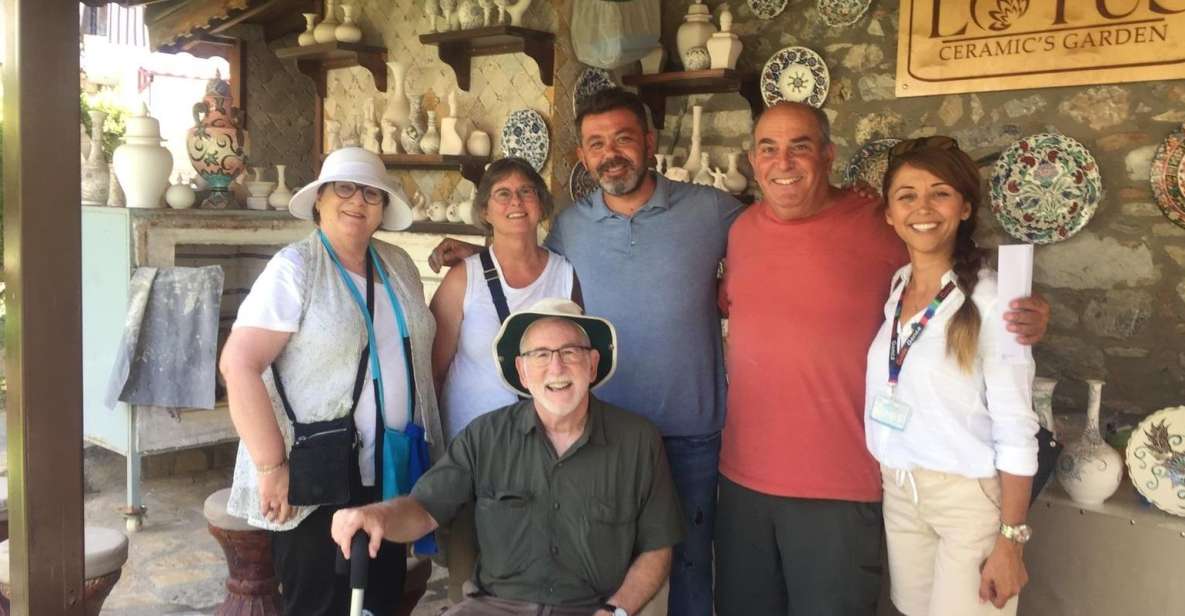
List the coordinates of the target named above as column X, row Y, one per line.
column 472, row 386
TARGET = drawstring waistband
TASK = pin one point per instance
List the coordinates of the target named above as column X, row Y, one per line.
column 902, row 475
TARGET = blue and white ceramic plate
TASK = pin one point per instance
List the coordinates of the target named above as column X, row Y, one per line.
column 839, row 13
column 1156, row 459
column 869, row 163
column 795, row 74
column 767, row 9
column 525, row 135
column 1045, row 188
column 591, row 81
column 581, row 183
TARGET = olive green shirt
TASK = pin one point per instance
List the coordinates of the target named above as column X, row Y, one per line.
column 557, row 531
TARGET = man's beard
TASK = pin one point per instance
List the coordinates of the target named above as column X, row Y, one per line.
column 627, row 184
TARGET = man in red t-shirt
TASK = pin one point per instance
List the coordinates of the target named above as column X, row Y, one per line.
column 798, row 524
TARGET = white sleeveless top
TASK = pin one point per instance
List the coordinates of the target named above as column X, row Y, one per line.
column 472, row 386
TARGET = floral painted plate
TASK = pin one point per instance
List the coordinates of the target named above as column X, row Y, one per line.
column 1168, row 177
column 767, row 9
column 838, row 13
column 525, row 135
column 591, row 81
column 795, row 74
column 581, row 183
column 869, row 163
column 1156, row 459
column 1045, row 188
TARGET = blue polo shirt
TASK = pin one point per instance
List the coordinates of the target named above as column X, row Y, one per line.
column 653, row 275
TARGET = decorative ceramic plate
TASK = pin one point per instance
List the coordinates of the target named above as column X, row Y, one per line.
column 795, row 74
column 1156, row 459
column 1168, row 176
column 525, row 135
column 836, row 13
column 869, row 163
column 581, row 183
column 1045, row 188
column 767, row 9
column 591, row 81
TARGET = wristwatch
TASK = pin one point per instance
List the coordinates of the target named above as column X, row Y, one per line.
column 1021, row 533
column 616, row 611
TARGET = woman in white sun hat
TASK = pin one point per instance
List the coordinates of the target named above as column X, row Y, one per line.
column 326, row 422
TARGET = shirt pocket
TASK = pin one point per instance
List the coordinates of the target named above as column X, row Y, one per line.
column 503, row 521
column 612, row 531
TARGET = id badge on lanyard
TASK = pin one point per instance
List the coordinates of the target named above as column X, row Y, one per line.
column 887, row 410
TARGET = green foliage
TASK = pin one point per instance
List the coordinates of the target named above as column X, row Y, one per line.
column 113, row 126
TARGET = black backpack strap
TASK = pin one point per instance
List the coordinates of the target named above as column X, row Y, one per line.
column 360, row 377
column 494, row 282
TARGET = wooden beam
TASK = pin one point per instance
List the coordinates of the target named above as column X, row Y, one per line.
column 42, row 232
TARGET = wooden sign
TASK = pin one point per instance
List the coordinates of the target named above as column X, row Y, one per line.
column 949, row 46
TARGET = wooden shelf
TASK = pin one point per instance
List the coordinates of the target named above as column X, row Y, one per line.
column 471, row 167
column 444, row 228
column 457, row 48
column 654, row 89
column 315, row 60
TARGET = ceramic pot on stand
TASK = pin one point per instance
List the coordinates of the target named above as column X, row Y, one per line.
column 215, row 143
column 693, row 155
column 96, row 178
column 1089, row 469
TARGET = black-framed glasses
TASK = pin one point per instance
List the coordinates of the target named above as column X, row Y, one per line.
column 370, row 194
column 935, row 142
column 569, row 354
column 504, row 195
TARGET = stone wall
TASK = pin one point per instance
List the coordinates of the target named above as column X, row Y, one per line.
column 1117, row 288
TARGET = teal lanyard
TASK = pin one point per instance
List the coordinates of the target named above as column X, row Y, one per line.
column 376, row 371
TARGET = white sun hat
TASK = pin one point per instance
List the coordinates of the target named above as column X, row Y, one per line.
column 361, row 167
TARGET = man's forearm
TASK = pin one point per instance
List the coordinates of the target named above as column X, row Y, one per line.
column 404, row 519
column 646, row 575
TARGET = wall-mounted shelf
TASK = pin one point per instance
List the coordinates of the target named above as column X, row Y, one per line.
column 654, row 89
column 457, row 48
column 471, row 167
column 444, row 228
column 315, row 60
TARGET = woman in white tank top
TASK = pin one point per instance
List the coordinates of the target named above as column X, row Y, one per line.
column 511, row 201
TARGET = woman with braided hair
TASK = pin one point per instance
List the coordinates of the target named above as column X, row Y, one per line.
column 949, row 418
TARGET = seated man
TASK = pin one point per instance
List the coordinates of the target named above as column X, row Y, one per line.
column 575, row 508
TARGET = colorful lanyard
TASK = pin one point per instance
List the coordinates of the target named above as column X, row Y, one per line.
column 897, row 355
column 376, row 371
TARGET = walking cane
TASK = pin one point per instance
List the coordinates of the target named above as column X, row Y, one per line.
column 357, row 568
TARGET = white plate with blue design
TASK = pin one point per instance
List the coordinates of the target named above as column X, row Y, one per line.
column 525, row 135
column 795, row 74
column 767, row 9
column 1156, row 459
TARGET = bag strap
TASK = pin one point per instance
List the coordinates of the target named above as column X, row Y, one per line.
column 360, row 376
column 494, row 282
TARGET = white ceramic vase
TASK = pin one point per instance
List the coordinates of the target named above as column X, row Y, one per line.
column 142, row 164
column 95, row 172
column 430, row 142
column 724, row 47
column 307, row 38
column 703, row 174
column 326, row 31
column 451, row 143
column 282, row 194
column 652, row 62
column 478, row 143
column 1089, row 469
column 696, row 28
column 398, row 109
column 348, row 31
column 693, row 154
column 413, row 128
column 735, row 181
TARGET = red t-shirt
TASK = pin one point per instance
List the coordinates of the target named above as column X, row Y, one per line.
column 804, row 298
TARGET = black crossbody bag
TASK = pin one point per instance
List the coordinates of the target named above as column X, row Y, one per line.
column 322, row 451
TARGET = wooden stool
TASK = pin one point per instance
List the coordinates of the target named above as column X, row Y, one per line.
column 105, row 550
column 251, row 585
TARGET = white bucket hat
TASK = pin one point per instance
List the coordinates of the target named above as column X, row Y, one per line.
column 601, row 335
column 361, row 167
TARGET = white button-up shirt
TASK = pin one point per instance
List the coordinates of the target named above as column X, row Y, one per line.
column 966, row 423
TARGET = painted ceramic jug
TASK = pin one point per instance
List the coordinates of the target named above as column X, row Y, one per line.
column 215, row 142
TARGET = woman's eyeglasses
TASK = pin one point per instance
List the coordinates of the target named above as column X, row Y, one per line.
column 370, row 194
column 502, row 196
column 936, row 142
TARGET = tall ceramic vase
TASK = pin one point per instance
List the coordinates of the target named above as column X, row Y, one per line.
column 282, row 194
column 430, row 142
column 693, row 155
column 398, row 109
column 215, row 142
column 95, row 174
column 1089, row 469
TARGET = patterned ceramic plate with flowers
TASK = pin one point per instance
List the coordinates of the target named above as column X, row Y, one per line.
column 1045, row 188
column 767, row 9
column 869, row 163
column 1168, row 176
column 525, row 135
column 795, row 74
column 581, row 183
column 838, row 13
column 591, row 81
column 1156, row 459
